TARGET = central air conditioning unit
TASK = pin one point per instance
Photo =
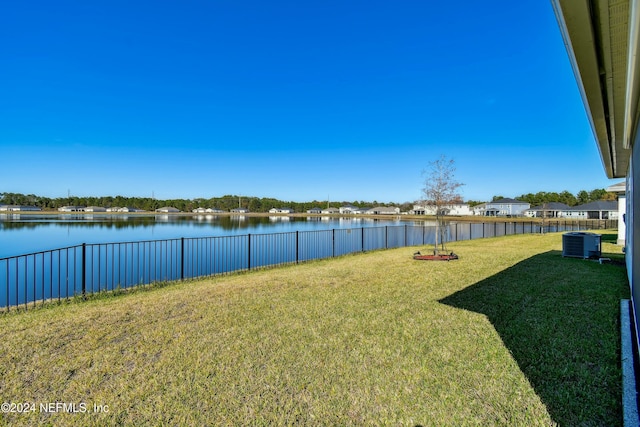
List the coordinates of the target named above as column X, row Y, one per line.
column 581, row 245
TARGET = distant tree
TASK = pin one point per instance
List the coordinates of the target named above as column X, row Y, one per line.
column 567, row 198
column 440, row 190
column 495, row 198
column 582, row 197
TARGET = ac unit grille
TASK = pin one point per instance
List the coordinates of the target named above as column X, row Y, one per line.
column 581, row 245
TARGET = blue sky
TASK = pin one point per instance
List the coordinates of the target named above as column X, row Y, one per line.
column 296, row 100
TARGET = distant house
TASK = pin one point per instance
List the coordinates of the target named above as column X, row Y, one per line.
column 19, row 208
column 479, row 209
column 314, row 211
column 506, row 207
column 240, row 210
column 129, row 209
column 71, row 209
column 95, row 209
column 620, row 189
column 281, row 210
column 384, row 210
column 450, row 209
column 113, row 209
column 602, row 209
column 331, row 211
column 199, row 210
column 167, row 209
column 547, row 210
column 350, row 209
column 214, row 210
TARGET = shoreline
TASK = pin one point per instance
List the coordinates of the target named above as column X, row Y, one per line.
column 395, row 217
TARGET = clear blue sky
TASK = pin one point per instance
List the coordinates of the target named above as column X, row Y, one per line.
column 296, row 100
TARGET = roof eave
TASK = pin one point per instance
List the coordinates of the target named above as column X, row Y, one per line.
column 595, row 36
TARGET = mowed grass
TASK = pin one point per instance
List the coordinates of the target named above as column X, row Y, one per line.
column 509, row 334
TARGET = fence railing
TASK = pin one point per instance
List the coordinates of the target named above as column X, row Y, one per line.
column 92, row 268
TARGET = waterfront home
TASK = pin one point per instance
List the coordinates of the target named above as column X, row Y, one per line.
column 214, row 210
column 314, row 211
column 168, row 209
column 602, row 209
column 506, row 207
column 459, row 209
column 350, row 209
column 479, row 209
column 95, row 209
column 71, row 209
column 18, row 208
column 383, row 210
column 281, row 210
column 548, row 210
column 330, row 211
column 199, row 210
column 240, row 210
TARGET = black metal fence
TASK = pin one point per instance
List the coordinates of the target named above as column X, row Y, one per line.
column 92, row 268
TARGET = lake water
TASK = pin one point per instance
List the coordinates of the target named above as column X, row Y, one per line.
column 22, row 234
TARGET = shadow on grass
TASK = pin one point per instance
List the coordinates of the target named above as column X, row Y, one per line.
column 559, row 318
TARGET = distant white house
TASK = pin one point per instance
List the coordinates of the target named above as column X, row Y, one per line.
column 331, row 211
column 18, row 208
column 129, row 209
column 240, row 210
column 602, row 209
column 71, row 209
column 214, row 210
column 383, row 210
column 281, row 210
column 479, row 209
column 167, row 209
column 199, row 210
column 314, row 211
column 548, row 210
column 349, row 209
column 620, row 189
column 460, row 209
column 506, row 207
column 95, row 209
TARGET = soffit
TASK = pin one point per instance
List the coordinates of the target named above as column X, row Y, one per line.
column 596, row 34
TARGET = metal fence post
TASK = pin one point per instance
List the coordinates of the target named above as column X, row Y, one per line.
column 333, row 243
column 297, row 239
column 386, row 237
column 84, row 270
column 406, row 243
column 182, row 258
column 249, row 251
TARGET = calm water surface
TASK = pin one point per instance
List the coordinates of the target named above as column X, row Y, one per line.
column 21, row 234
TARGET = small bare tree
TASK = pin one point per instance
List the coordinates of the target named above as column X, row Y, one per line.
column 440, row 191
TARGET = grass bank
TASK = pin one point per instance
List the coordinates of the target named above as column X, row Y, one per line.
column 510, row 334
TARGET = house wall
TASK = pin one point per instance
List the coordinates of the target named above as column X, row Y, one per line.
column 622, row 210
column 509, row 208
column 633, row 228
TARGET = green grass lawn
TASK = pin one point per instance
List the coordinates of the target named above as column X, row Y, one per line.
column 509, row 334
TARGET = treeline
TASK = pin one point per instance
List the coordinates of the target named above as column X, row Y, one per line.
column 263, row 204
column 565, row 197
column 225, row 203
